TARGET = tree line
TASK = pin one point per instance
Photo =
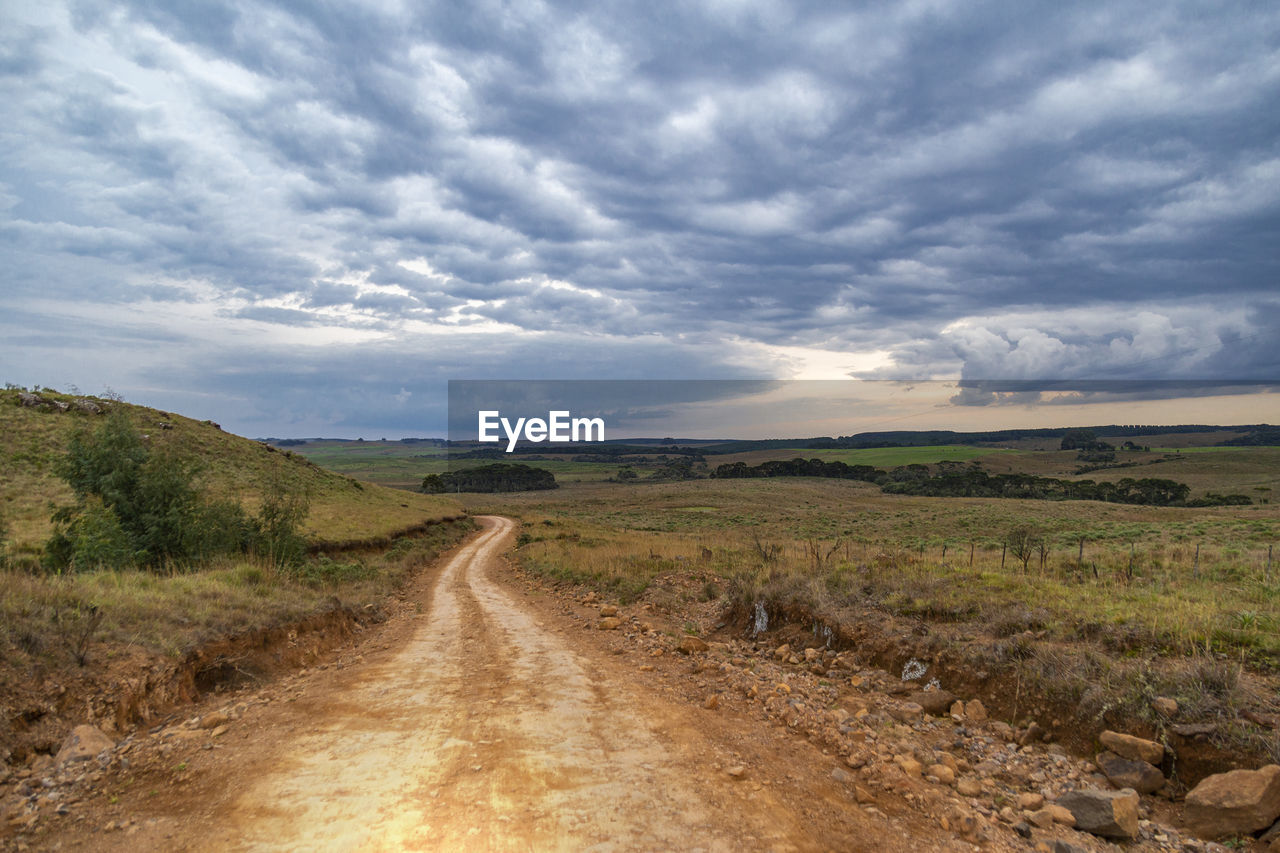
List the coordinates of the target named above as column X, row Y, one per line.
column 954, row 479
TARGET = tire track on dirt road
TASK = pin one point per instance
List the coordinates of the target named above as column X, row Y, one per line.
column 486, row 732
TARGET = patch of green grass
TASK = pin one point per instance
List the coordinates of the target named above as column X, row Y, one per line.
column 171, row 614
column 228, row 466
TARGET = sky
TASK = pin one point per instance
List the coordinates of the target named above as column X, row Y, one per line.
column 304, row 219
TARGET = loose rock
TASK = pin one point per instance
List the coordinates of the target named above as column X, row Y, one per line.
column 1134, row 748
column 1110, row 814
column 1042, row 818
column 213, row 719
column 936, row 703
column 1236, row 803
column 1125, row 773
column 910, row 712
column 83, row 743
column 944, row 774
column 690, row 645
column 1030, row 801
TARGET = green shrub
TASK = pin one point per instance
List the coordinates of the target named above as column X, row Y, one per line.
column 138, row 506
column 93, row 539
column 277, row 535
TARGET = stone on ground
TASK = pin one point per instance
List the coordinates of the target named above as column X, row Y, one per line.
column 691, row 645
column 936, row 703
column 1235, row 803
column 83, row 743
column 1110, row 814
column 1126, row 773
column 1133, row 748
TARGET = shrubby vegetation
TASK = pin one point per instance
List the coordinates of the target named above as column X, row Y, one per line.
column 136, row 506
column 1262, row 436
column 499, row 477
column 952, row 479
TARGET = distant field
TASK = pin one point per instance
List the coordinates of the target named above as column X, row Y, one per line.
column 1200, row 449
column 1254, row 471
column 403, row 466
column 385, row 463
column 1138, row 566
column 880, row 457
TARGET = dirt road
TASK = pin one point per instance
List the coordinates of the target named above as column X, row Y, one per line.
column 483, row 732
column 483, row 717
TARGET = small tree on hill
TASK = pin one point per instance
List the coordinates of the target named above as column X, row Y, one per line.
column 135, row 506
column 278, row 526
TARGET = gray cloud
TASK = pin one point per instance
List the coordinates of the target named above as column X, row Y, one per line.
column 1001, row 189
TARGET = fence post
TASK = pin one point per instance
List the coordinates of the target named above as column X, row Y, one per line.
column 1004, row 546
column 1195, row 570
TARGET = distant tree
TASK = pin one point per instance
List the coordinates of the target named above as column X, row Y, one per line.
column 1076, row 439
column 1024, row 542
column 499, row 477
column 432, row 484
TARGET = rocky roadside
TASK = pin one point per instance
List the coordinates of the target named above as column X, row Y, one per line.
column 901, row 740
column 79, row 791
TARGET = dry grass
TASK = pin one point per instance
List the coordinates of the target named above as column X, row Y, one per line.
column 839, row 542
column 342, row 509
column 170, row 614
column 1095, row 648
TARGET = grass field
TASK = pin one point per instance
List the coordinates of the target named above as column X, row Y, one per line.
column 879, row 457
column 342, row 508
column 173, row 613
column 402, row 466
column 1124, row 571
column 1130, row 603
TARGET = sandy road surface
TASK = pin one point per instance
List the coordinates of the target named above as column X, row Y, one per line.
column 484, row 732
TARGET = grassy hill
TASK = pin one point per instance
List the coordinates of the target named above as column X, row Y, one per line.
column 118, row 646
column 33, row 439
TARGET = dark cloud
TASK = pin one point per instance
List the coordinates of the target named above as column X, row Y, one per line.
column 995, row 189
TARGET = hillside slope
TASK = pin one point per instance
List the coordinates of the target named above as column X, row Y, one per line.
column 32, row 438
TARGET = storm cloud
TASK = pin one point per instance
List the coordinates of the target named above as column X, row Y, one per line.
column 299, row 217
